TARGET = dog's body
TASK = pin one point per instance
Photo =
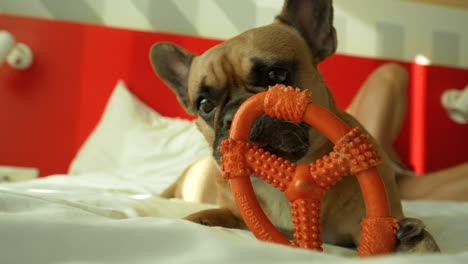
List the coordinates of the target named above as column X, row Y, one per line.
column 214, row 84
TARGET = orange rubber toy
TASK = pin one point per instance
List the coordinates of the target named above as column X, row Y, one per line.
column 305, row 185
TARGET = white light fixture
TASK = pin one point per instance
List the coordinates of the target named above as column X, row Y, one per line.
column 422, row 60
column 456, row 103
column 18, row 55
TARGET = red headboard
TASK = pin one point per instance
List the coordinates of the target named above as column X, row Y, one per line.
column 47, row 111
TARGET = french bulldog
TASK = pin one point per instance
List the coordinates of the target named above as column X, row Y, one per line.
column 214, row 84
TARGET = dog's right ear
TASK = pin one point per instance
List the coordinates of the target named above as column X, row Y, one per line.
column 172, row 64
column 314, row 21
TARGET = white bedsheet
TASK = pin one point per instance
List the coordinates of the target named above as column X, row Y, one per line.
column 97, row 219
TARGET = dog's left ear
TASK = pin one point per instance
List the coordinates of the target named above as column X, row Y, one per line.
column 314, row 20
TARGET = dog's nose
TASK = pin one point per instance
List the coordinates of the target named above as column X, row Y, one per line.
column 227, row 119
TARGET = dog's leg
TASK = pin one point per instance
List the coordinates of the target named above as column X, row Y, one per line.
column 413, row 238
column 196, row 183
column 448, row 184
column 384, row 92
column 217, row 217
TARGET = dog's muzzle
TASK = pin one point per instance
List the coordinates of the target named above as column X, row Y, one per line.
column 282, row 138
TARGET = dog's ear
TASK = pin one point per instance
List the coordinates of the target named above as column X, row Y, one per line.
column 172, row 64
column 314, row 20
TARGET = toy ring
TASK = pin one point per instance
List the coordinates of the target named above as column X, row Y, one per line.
column 305, row 185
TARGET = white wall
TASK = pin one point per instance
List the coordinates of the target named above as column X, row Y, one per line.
column 376, row 28
column 380, row 27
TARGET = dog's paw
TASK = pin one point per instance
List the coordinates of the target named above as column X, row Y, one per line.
column 216, row 217
column 200, row 218
column 413, row 238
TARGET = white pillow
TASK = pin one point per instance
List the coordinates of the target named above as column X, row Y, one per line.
column 131, row 139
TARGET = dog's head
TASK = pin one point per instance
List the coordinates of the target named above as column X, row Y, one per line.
column 213, row 85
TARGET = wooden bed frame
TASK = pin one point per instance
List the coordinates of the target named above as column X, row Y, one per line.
column 47, row 111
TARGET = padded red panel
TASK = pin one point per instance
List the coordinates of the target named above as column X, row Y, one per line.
column 446, row 142
column 47, row 111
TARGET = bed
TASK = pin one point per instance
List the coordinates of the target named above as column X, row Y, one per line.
column 107, row 137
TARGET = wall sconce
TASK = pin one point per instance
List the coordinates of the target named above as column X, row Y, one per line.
column 456, row 103
column 18, row 55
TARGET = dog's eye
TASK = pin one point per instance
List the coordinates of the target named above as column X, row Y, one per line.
column 277, row 76
column 205, row 106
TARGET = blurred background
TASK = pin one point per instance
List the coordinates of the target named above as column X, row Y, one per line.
column 396, row 29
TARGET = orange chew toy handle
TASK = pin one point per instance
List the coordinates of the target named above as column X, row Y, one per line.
column 305, row 185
